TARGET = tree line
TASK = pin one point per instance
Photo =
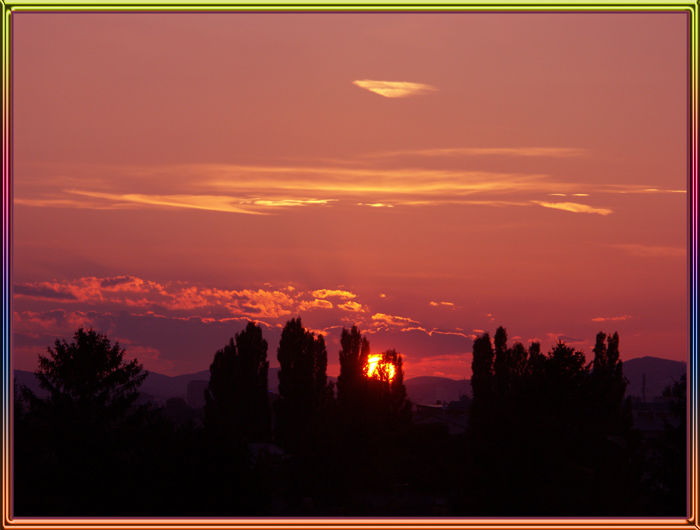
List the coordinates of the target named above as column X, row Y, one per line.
column 547, row 434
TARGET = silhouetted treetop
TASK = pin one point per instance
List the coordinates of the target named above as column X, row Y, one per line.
column 304, row 393
column 236, row 397
column 88, row 377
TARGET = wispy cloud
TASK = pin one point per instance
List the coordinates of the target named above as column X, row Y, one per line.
column 270, row 189
column 574, row 207
column 394, row 89
column 290, row 202
column 611, row 319
column 557, row 152
column 198, row 202
column 375, row 205
column 391, row 320
column 639, row 189
column 648, row 251
column 40, row 291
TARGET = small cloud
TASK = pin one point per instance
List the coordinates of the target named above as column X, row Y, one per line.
column 656, row 190
column 351, row 306
column 375, row 204
column 607, row 319
column 325, row 293
column 449, row 304
column 382, row 295
column 581, row 194
column 118, row 280
column 392, row 320
column 637, row 189
column 315, row 304
column 394, row 89
column 570, row 340
column 291, row 202
column 574, row 207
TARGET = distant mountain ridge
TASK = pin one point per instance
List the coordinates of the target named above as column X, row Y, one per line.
column 660, row 373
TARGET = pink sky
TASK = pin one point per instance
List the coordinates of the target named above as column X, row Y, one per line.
column 424, row 176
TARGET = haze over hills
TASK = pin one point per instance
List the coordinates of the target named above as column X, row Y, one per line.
column 660, row 373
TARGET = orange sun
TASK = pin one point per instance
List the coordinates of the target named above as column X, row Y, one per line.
column 378, row 368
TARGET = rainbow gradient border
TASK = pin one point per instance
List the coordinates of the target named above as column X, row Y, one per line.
column 9, row 7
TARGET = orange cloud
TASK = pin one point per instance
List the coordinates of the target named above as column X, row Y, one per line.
column 311, row 304
column 325, row 293
column 394, row 89
column 574, row 207
column 392, row 320
column 198, row 202
column 638, row 189
column 606, row 319
column 291, row 202
column 351, row 306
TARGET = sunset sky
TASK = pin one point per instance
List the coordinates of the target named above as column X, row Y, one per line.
column 424, row 176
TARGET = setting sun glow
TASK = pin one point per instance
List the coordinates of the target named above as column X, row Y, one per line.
column 378, row 368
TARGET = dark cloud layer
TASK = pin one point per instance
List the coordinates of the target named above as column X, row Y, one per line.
column 41, row 292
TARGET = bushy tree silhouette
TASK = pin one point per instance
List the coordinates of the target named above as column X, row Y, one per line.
column 70, row 441
column 88, row 381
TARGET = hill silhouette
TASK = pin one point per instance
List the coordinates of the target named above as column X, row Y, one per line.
column 660, row 373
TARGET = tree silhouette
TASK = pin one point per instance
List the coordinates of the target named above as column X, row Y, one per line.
column 88, row 380
column 353, row 359
column 481, row 381
column 69, row 454
column 540, row 428
column 236, row 397
column 304, row 393
column 254, row 367
column 608, row 385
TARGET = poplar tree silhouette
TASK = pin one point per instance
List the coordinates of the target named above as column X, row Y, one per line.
column 608, row 385
column 304, row 393
column 351, row 380
column 236, row 397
